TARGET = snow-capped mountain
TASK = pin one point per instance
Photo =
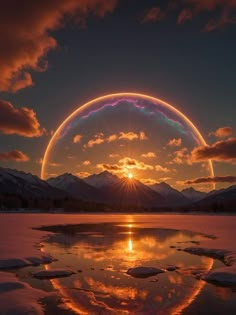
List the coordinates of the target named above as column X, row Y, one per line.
column 193, row 195
column 75, row 187
column 172, row 195
column 102, row 179
column 26, row 185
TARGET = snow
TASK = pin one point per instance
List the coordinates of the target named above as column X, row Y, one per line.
column 18, row 297
column 225, row 276
column 53, row 273
column 144, row 272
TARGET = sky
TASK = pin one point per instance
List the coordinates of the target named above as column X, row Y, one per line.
column 57, row 55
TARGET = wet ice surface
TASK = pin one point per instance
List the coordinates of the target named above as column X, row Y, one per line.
column 100, row 255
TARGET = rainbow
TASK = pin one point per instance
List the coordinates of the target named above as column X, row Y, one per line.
column 57, row 133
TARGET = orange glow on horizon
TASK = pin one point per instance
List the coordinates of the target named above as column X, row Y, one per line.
column 126, row 94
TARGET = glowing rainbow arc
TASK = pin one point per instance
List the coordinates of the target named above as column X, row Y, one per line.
column 126, row 94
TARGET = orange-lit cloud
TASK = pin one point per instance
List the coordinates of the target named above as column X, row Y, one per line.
column 224, row 150
column 14, row 155
column 153, row 15
column 111, row 167
column 132, row 136
column 175, row 142
column 127, row 136
column 26, row 28
column 125, row 164
column 113, row 155
column 149, row 155
column 96, row 141
column 214, row 179
column 130, row 163
column 77, row 138
column 160, row 168
column 82, row 174
column 86, row 162
column 20, row 121
column 182, row 157
column 222, row 132
column 143, row 136
column 112, row 138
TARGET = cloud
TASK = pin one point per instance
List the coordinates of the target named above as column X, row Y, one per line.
column 148, row 155
column 110, row 167
column 129, row 163
column 148, row 181
column 26, row 28
column 142, row 136
column 222, row 12
column 222, row 132
column 96, row 141
column 175, row 142
column 86, row 163
column 127, row 136
column 77, row 138
column 153, row 15
column 20, row 121
column 132, row 136
column 114, row 155
column 185, row 15
column 82, row 174
column 224, row 150
column 14, row 155
column 160, row 168
column 182, row 157
column 112, row 138
column 223, row 8
column 213, row 179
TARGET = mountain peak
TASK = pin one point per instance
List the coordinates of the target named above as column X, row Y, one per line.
column 193, row 194
column 102, row 179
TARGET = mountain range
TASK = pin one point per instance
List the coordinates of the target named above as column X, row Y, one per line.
column 108, row 189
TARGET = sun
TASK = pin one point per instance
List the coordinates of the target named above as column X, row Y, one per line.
column 130, row 175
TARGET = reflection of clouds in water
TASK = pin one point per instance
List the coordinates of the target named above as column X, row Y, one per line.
column 100, row 293
column 117, row 291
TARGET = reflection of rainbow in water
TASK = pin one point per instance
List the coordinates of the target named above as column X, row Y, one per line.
column 74, row 305
column 112, row 100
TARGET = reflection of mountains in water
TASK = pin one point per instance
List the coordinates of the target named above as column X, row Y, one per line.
column 105, row 234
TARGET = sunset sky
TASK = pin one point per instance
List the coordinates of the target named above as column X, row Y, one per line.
column 57, row 55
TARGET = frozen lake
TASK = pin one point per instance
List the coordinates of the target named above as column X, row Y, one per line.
column 96, row 251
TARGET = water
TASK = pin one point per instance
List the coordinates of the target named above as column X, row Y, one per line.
column 100, row 255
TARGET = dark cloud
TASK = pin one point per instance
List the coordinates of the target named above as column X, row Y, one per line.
column 15, row 155
column 224, row 150
column 222, row 12
column 20, row 121
column 214, row 179
column 185, row 15
column 25, row 37
column 222, row 132
column 153, row 15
